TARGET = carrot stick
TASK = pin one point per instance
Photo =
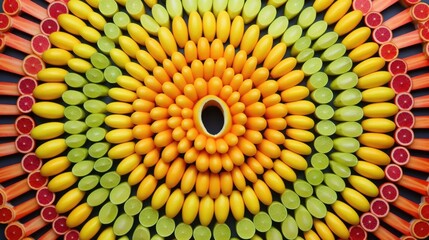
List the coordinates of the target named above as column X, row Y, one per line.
column 8, row 130
column 381, row 5
column 418, row 163
column 417, row 61
column 10, row 172
column 12, row 191
column 421, row 102
column 414, row 184
column 34, row 225
column 18, row 43
column 420, row 144
column 33, row 9
column 8, row 148
column 49, row 235
column 407, row 206
column 420, row 81
column 21, row 24
column 398, row 20
column 8, row 89
column 9, row 214
column 397, row 223
column 382, row 233
column 11, row 64
column 408, row 39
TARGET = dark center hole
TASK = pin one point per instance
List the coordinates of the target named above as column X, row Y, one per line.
column 213, row 119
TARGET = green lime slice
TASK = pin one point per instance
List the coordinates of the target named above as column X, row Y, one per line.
column 73, row 97
column 302, row 188
column 88, row 182
column 108, row 7
column 316, row 207
column 218, row 6
column 293, row 8
column 317, row 80
column 120, row 193
column 110, row 180
column 333, row 52
column 292, row 34
column 303, row 219
column 314, row 176
column 98, row 149
column 74, row 113
column 346, row 144
column 77, row 154
column 141, row 233
column 94, row 75
column 339, row 66
column 262, row 221
column 300, row 44
column 250, row 10
column 161, row 16
column 273, row 234
column 148, row 217
column 156, row 237
column 133, row 206
column 325, row 127
column 289, row 228
column 111, row 73
column 335, row 182
column 349, row 129
column 326, row 40
column 165, row 226
column 103, row 164
column 192, row 5
column 316, row 30
column 277, row 211
column 348, row 97
column 348, row 114
column 108, row 213
column 290, row 199
column 123, row 224
column 235, row 7
column 121, row 19
column 149, row 24
column 307, row 17
column 95, row 119
column 322, row 95
column 348, row 159
column 324, row 112
column 95, row 106
column 326, row 194
column 319, row 161
column 312, row 66
column 96, row 134
column 266, row 16
column 83, row 168
column 344, row 81
column 245, row 228
column 278, row 26
column 183, row 231
column 305, row 55
column 323, row 144
column 97, row 197
column 76, row 140
column 75, row 80
column 105, row 44
column 340, row 169
column 99, row 60
column 202, row 233
column 134, row 7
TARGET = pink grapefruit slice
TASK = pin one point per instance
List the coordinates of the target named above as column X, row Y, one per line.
column 24, row 124
column 400, row 155
column 45, row 197
column 405, row 119
column 59, row 225
column 404, row 136
column 373, row 19
column 26, row 85
column 25, row 103
column 24, row 143
column 424, row 35
column 15, row 231
column 419, row 229
column 57, row 8
column 40, row 43
column 72, row 235
column 388, row 51
column 379, row 207
column 400, row 82
column 424, row 211
column 382, row 35
column 49, row 25
column 357, row 233
column 363, row 5
column 393, row 172
column 5, row 22
column 36, row 181
column 11, row 7
column 420, row 12
column 369, row 222
column 389, row 192
column 49, row 213
column 30, row 162
column 32, row 65
column 7, row 214
column 405, row 101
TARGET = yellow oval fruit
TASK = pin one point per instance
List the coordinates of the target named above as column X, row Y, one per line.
column 51, row 148
column 190, row 208
column 378, row 94
column 297, row 147
column 283, row 67
column 250, row 39
column 369, row 66
column 336, row 225
column 56, row 56
column 167, row 41
column 137, row 175
column 300, row 134
column 90, row 229
column 345, row 212
column 337, row 10
column 373, row 155
column 71, row 23
column 174, row 203
column 79, row 9
column 97, row 20
column 52, row 75
column 47, row 130
column 237, row 31
column 380, row 110
column 107, row 234
column 155, row 49
column 195, row 26
column 273, row 180
column 373, row 80
column 69, row 200
column 284, row 171
column 54, row 166
column 295, row 93
column 321, row 5
column 364, row 51
column 49, row 91
column 348, row 22
column 300, row 122
column 119, row 108
column 293, row 160
column 323, row 230
column 62, row 182
column 263, row 192
column 121, row 150
column 209, row 26
column 90, row 34
column 180, row 31
column 357, row 39
column 128, row 164
column 79, row 65
column 302, row 107
column 206, row 210
column 380, row 125
column 147, row 187
column 129, row 46
column 118, row 121
column 355, row 199
column 237, row 205
column 78, row 215
column 84, row 50
column 137, row 33
column 119, row 57
column 363, row 185
column 377, row 140
column 251, row 200
column 175, row 172
column 160, row 196
column 221, row 208
column 63, row 40
column 369, row 170
column 223, row 25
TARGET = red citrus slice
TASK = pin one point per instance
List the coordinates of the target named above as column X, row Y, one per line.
column 40, row 43
column 363, row 5
column 404, row 101
column 420, row 12
column 424, row 211
column 49, row 213
column 14, row 231
column 30, row 162
column 25, row 103
column 24, row 143
column 389, row 192
column 59, row 225
column 369, row 222
column 357, row 233
column 400, row 155
column 32, row 64
column 24, row 124
column 11, row 7
column 6, row 214
column 379, row 207
column 400, row 82
column 382, row 35
column 405, row 119
column 26, row 85
column 2, row 42
column 419, row 229
column 404, row 136
column 36, row 180
column 57, row 8
column 388, row 51
column 373, row 19
column 426, row 46
column 393, row 172
column 45, row 197
column 5, row 22
column 49, row 25
column 72, row 235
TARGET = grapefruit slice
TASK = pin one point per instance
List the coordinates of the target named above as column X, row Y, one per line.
column 24, row 143
column 24, row 124
column 57, row 8
column 388, row 51
column 45, row 197
column 11, row 7
column 400, row 82
column 424, row 35
column 405, row 101
column 382, row 35
column 393, row 172
column 49, row 25
column 39, row 44
column 49, row 213
column 419, row 229
column 397, row 66
column 15, row 231
column 25, row 103
column 405, row 119
column 5, row 23
column 420, row 12
column 379, row 207
column 36, row 180
column 26, row 85
column 357, row 233
column 2, row 42
column 59, row 225
column 400, row 155
column 7, row 214
column 71, row 235
column 424, row 211
column 30, row 162
column 373, row 19
column 363, row 5
column 32, row 65
column 389, row 192
column 404, row 136
column 369, row 222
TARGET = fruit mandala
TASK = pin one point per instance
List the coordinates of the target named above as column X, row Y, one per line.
column 214, row 119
